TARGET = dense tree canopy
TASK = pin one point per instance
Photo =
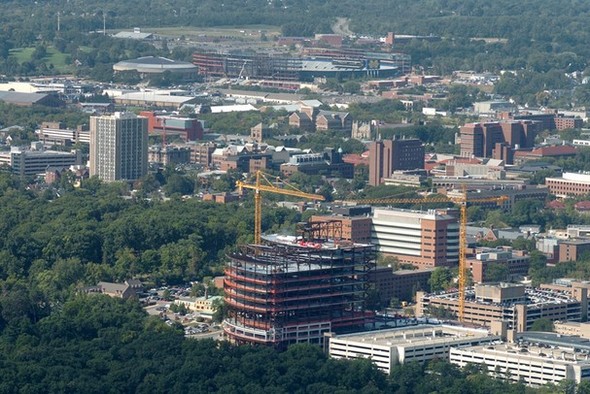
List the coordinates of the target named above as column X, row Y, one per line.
column 96, row 344
column 107, row 237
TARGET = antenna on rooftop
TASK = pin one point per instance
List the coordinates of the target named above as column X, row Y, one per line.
column 104, row 23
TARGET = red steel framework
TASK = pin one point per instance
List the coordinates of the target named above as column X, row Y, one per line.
column 282, row 292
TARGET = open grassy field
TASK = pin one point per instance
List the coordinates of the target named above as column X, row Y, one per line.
column 22, row 54
column 58, row 59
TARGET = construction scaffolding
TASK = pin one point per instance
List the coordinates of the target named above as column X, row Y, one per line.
column 295, row 289
column 247, row 66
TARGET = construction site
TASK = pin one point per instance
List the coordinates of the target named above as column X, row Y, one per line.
column 318, row 64
column 292, row 289
column 288, row 289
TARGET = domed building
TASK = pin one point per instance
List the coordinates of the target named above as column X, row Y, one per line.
column 151, row 65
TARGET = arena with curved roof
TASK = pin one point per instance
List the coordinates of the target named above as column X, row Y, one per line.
column 150, row 65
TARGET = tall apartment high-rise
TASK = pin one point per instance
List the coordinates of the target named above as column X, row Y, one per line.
column 391, row 155
column 118, row 146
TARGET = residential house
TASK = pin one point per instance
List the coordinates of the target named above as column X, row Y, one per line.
column 130, row 288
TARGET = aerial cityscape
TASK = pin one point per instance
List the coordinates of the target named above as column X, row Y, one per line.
column 295, row 196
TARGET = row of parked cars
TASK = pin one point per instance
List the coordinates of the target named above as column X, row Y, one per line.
column 198, row 329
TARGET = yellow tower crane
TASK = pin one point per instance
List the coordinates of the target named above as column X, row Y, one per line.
column 268, row 186
column 462, row 202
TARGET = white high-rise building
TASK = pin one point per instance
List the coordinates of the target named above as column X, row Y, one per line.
column 118, row 146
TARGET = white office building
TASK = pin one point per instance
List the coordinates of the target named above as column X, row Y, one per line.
column 62, row 136
column 421, row 343
column 35, row 161
column 118, row 146
column 535, row 364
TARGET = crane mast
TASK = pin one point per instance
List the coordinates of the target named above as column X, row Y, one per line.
column 462, row 202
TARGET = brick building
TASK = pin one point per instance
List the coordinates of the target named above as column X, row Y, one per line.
column 189, row 129
column 423, row 239
column 496, row 139
column 259, row 133
column 329, row 163
column 514, row 304
column 168, row 155
column 401, row 284
column 573, row 249
column 570, row 184
column 515, row 262
column 387, row 156
column 553, row 151
column 549, row 121
column 354, row 228
column 202, row 153
column 310, row 118
column 221, row 198
column 568, row 122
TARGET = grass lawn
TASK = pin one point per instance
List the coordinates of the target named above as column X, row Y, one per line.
column 22, row 54
column 54, row 57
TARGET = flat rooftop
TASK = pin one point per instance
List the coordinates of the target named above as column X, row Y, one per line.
column 533, row 353
column 151, row 96
column 327, row 65
column 533, row 297
column 380, row 212
column 548, row 339
column 426, row 333
column 294, row 241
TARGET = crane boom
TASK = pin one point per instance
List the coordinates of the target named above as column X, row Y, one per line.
column 462, row 202
column 276, row 190
column 269, row 187
column 454, row 200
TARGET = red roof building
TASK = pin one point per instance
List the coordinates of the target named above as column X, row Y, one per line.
column 356, row 159
column 555, row 204
column 546, row 151
column 582, row 206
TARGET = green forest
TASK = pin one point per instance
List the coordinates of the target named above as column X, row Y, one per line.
column 54, row 338
column 97, row 344
column 95, row 234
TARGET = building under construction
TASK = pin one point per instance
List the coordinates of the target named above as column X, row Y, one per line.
column 319, row 64
column 256, row 66
column 295, row 289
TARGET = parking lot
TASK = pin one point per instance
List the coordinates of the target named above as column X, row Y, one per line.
column 191, row 322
